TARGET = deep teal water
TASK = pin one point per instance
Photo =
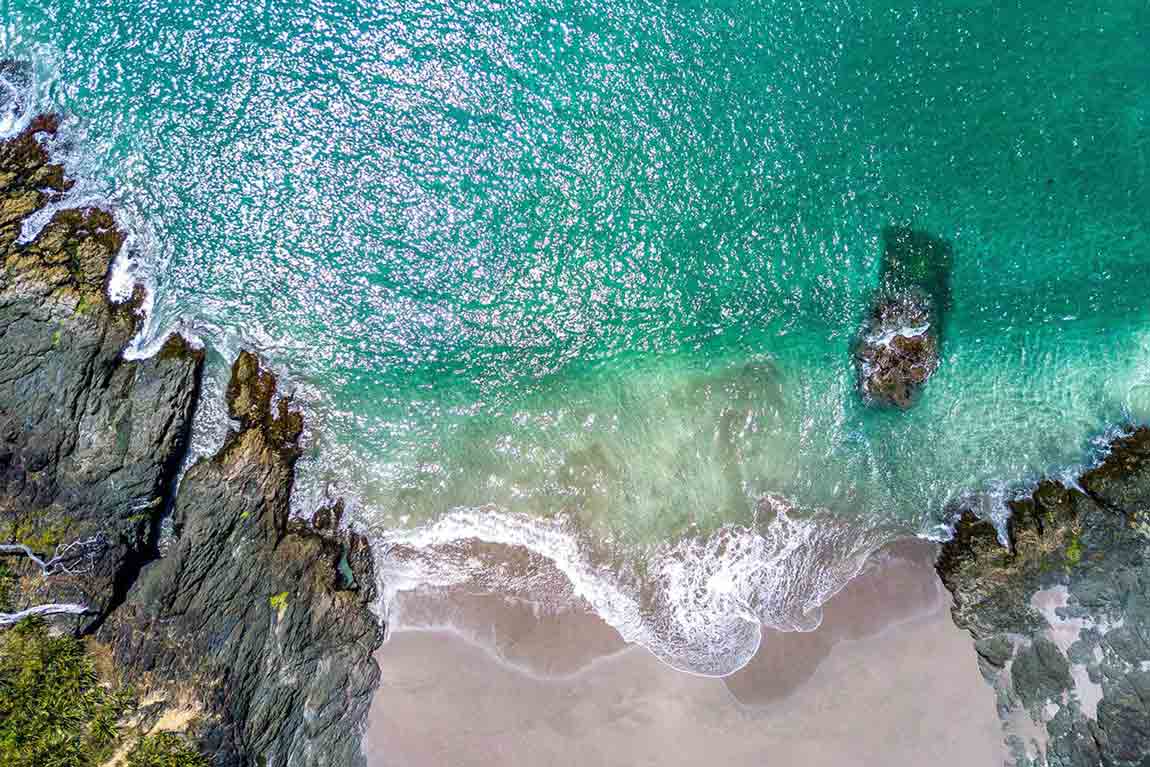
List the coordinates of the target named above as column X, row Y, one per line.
column 602, row 262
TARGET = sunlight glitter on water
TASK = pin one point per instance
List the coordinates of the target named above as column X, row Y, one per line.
column 597, row 269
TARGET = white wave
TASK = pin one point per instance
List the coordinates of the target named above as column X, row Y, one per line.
column 701, row 603
column 13, row 115
column 17, row 90
column 886, row 337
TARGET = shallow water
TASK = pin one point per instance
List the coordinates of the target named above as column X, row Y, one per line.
column 601, row 264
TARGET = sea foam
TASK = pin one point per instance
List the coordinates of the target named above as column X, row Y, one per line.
column 698, row 604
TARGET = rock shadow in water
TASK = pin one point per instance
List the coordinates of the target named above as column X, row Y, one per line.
column 898, row 348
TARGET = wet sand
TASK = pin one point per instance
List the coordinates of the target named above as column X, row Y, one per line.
column 887, row 679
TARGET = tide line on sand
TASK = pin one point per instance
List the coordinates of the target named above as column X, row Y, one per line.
column 496, row 679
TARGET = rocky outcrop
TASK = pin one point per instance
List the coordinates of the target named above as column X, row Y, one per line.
column 89, row 442
column 252, row 629
column 264, row 620
column 1061, row 613
column 898, row 347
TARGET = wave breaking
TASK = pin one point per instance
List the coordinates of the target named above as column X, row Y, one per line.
column 698, row 604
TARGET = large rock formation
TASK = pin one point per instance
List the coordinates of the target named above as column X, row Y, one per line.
column 253, row 630
column 89, row 443
column 897, row 350
column 264, row 620
column 1061, row 615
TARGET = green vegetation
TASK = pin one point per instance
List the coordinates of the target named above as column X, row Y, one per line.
column 7, row 587
column 165, row 749
column 41, row 539
column 279, row 603
column 55, row 712
column 1073, row 550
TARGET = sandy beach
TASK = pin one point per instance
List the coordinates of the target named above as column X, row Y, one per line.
column 887, row 679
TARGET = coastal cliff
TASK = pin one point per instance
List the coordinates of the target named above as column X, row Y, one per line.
column 262, row 620
column 252, row 634
column 1061, row 615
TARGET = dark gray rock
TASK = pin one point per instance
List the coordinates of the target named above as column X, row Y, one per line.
column 254, row 627
column 1040, row 672
column 1122, row 482
column 1061, row 615
column 89, row 443
column 1124, row 715
column 898, row 348
column 248, row 611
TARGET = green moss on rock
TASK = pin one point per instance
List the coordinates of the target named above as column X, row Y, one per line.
column 1074, row 550
column 7, row 587
column 279, row 603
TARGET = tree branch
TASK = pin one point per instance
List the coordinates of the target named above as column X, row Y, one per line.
column 75, row 558
column 20, row 548
column 10, row 619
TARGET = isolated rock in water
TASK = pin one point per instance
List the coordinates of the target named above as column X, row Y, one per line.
column 898, row 351
column 898, row 347
column 251, row 613
column 1061, row 616
column 89, row 442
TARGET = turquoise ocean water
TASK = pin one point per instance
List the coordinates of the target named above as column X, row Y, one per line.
column 585, row 276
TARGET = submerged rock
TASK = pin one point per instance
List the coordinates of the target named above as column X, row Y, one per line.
column 253, row 630
column 1061, row 614
column 898, row 347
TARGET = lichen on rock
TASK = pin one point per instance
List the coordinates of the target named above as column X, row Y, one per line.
column 1061, row 614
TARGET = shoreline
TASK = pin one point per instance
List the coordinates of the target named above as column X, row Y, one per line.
column 602, row 712
column 511, row 627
